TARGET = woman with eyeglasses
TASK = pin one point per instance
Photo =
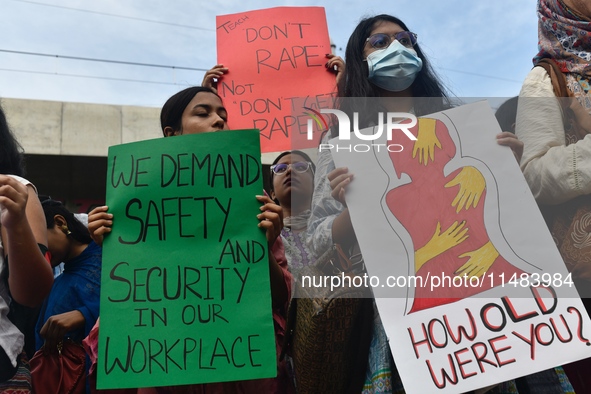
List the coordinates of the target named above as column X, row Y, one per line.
column 72, row 307
column 386, row 71
column 292, row 184
column 383, row 60
column 198, row 110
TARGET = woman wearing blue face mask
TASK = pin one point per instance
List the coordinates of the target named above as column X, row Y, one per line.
column 383, row 60
column 394, row 64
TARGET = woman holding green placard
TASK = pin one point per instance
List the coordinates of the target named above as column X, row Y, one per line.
column 200, row 110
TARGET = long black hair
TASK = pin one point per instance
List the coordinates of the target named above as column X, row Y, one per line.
column 79, row 231
column 11, row 152
column 427, row 85
column 172, row 111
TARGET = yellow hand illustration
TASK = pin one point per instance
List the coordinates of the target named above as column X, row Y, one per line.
column 426, row 141
column 479, row 261
column 472, row 184
column 440, row 242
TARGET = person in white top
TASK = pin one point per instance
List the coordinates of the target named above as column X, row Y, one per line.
column 25, row 274
column 556, row 160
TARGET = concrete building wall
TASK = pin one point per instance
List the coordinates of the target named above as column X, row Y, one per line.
column 66, row 144
column 78, row 129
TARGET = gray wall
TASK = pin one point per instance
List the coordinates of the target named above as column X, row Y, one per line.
column 77, row 129
column 66, row 144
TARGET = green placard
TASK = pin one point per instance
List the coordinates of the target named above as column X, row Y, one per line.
column 185, row 294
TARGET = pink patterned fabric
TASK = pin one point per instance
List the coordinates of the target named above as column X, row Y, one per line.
column 20, row 383
column 565, row 36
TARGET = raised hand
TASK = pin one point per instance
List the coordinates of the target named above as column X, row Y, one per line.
column 99, row 223
column 509, row 139
column 13, row 202
column 336, row 64
column 339, row 178
column 271, row 218
column 212, row 76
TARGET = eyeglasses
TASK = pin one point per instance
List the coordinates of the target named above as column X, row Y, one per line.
column 383, row 41
column 298, row 166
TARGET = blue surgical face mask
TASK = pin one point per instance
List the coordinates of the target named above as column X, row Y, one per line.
column 394, row 68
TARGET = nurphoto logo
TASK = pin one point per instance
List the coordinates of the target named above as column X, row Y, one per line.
column 392, row 122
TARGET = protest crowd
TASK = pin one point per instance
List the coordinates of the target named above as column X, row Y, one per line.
column 50, row 315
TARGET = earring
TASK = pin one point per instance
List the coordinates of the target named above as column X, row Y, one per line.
column 66, row 230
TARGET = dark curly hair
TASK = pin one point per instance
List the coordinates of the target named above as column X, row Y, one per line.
column 11, row 152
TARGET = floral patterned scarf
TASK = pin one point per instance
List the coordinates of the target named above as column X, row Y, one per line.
column 564, row 32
